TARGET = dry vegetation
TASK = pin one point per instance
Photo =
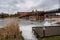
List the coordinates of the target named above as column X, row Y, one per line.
column 11, row 31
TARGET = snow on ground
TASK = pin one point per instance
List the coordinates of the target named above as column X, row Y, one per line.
column 26, row 26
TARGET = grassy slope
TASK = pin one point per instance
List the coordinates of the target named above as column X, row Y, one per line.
column 50, row 38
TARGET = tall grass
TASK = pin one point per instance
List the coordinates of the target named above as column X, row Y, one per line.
column 11, row 30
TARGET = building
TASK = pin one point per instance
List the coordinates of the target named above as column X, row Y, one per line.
column 37, row 15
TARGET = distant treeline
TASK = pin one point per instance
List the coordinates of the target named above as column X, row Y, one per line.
column 4, row 15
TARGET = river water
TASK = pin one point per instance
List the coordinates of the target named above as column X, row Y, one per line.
column 26, row 26
column 1, row 23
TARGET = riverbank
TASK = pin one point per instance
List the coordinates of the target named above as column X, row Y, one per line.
column 50, row 38
column 11, row 31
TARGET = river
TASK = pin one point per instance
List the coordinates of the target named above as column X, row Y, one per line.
column 26, row 26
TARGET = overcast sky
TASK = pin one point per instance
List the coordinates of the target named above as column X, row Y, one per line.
column 12, row 6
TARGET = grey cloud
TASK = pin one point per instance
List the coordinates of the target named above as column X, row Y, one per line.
column 47, row 4
column 12, row 6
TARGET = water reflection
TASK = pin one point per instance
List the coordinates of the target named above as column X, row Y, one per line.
column 1, row 23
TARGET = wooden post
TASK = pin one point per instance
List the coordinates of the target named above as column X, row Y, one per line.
column 43, row 33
